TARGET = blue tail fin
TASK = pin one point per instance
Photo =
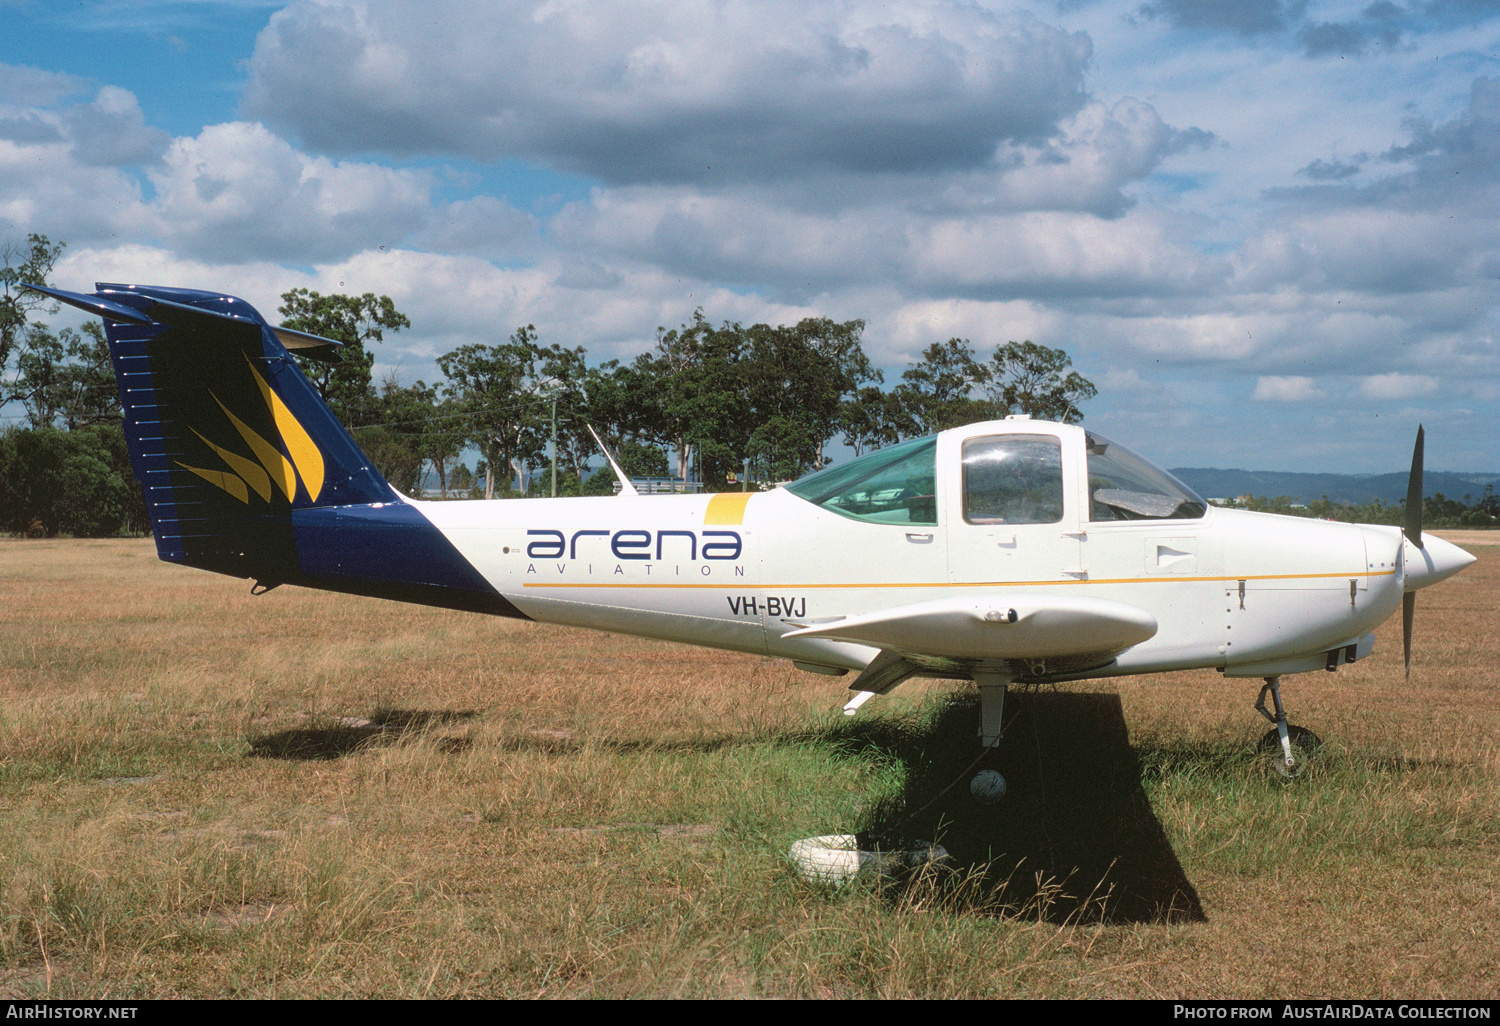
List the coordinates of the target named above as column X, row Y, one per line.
column 245, row 469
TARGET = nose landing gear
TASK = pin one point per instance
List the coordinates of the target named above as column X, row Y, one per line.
column 1290, row 747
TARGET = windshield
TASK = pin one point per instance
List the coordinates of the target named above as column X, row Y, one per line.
column 1123, row 486
column 895, row 485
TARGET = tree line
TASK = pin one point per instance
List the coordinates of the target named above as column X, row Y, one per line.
column 716, row 398
column 1437, row 509
column 706, row 402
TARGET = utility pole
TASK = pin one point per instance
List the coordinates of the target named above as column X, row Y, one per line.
column 554, row 445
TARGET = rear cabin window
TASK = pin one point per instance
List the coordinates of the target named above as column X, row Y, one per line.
column 1013, row 479
column 894, row 485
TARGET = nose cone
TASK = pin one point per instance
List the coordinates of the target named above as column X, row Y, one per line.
column 1436, row 561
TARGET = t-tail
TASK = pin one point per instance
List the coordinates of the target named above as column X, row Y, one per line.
column 245, row 469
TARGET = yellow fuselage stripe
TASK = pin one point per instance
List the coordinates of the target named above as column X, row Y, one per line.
column 977, row 584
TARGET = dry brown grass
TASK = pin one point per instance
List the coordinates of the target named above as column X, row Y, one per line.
column 305, row 794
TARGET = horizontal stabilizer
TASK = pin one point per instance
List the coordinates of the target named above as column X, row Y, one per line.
column 1019, row 627
column 314, row 347
column 148, row 307
column 196, row 319
column 96, row 305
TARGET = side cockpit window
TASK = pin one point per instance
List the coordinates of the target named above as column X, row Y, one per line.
column 1013, row 479
column 1123, row 486
column 895, row 485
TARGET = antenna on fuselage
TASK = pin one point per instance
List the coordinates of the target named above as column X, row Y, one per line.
column 626, row 488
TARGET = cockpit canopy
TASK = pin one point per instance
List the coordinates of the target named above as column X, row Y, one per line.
column 1007, row 477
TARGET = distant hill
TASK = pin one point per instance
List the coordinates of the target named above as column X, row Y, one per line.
column 1342, row 488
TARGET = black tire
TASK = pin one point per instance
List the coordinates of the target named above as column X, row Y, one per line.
column 1305, row 745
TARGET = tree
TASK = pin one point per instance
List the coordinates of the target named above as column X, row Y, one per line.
column 63, row 482
column 563, row 381
column 461, row 480
column 691, row 387
column 397, row 442
column 622, row 405
column 442, row 441
column 66, row 377
column 798, row 380
column 873, row 418
column 346, row 384
column 939, row 392
column 728, row 393
column 1027, row 378
column 495, row 388
column 28, row 264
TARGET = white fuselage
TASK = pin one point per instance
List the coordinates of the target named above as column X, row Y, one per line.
column 1253, row 594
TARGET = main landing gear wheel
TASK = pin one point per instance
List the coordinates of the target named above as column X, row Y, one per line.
column 1304, row 744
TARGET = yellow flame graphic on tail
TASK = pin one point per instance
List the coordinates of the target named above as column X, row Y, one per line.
column 306, row 460
column 277, row 465
column 229, row 482
column 248, row 470
column 299, row 443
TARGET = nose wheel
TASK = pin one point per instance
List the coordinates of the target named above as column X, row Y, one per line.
column 1290, row 748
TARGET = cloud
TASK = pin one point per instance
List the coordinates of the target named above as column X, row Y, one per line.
column 669, row 90
column 1397, row 386
column 1096, row 153
column 1459, row 154
column 1332, row 170
column 1432, row 226
column 1287, row 390
column 479, row 225
column 1344, row 39
column 1245, row 17
column 28, row 129
column 112, row 131
column 31, row 87
column 235, row 191
column 752, row 237
column 847, row 160
column 260, row 283
column 44, row 188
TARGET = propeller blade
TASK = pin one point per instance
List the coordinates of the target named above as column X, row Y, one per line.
column 1408, row 611
column 1413, row 528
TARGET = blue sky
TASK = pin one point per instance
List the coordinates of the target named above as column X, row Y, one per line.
column 1268, row 230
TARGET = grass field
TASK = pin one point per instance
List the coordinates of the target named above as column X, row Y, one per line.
column 207, row 794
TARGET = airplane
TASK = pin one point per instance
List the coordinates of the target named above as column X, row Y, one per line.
column 1010, row 552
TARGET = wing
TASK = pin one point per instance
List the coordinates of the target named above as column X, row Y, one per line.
column 1024, row 630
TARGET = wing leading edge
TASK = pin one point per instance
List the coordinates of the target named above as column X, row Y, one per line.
column 1022, row 631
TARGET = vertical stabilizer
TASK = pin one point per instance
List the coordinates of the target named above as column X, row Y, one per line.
column 227, row 435
column 245, row 469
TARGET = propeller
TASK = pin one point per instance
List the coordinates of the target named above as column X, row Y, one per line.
column 1408, row 611
column 1413, row 532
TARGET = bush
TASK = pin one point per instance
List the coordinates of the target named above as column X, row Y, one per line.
column 66, row 482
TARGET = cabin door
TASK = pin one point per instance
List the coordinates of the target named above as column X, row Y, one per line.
column 1016, row 521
